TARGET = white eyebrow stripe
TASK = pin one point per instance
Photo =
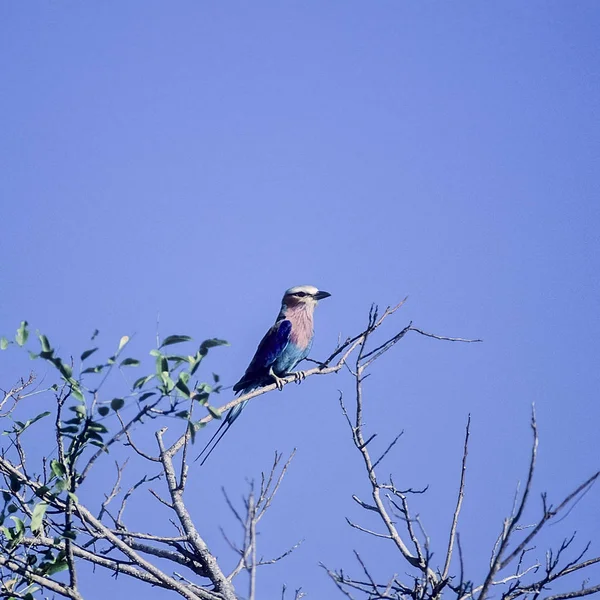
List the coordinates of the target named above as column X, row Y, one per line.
column 307, row 289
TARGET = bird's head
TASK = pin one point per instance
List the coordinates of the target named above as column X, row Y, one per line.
column 303, row 295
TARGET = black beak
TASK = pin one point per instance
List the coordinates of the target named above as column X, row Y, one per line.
column 320, row 295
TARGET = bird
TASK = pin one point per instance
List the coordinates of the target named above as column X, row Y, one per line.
column 284, row 345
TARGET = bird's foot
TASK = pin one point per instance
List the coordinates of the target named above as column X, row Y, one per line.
column 299, row 376
column 278, row 380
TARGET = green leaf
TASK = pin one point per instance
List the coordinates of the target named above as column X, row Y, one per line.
column 6, row 496
column 130, row 362
column 70, row 535
column 38, row 516
column 196, row 365
column 57, row 567
column 77, row 393
column 60, row 486
column 25, row 425
column 176, row 359
column 117, row 403
column 216, row 378
column 162, row 365
column 79, row 409
column 65, row 370
column 183, row 414
column 4, row 343
column 22, row 333
column 183, row 388
column 45, row 343
column 94, row 426
column 100, row 445
column 185, row 377
column 58, row 468
column 142, row 381
column 192, row 431
column 122, row 343
column 38, row 417
column 103, row 411
column 15, row 483
column 145, row 396
column 73, row 497
column 168, row 383
column 215, row 412
column 41, row 491
column 88, row 353
column 201, row 397
column 175, row 339
column 212, row 343
column 69, row 429
column 19, row 525
column 96, row 369
column 12, row 508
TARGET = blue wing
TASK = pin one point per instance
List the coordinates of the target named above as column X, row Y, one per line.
column 269, row 350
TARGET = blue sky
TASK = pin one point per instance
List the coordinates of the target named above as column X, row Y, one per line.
column 194, row 160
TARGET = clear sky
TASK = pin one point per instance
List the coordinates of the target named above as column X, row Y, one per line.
column 195, row 159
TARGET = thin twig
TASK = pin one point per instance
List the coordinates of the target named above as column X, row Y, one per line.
column 459, row 500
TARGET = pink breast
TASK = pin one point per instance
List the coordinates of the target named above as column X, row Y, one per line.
column 302, row 325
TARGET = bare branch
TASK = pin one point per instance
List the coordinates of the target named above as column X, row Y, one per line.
column 373, row 533
column 461, row 492
column 256, row 508
column 207, row 560
column 512, row 521
column 15, row 394
column 576, row 594
column 444, row 338
column 391, row 445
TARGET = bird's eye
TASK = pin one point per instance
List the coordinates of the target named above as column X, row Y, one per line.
column 301, row 294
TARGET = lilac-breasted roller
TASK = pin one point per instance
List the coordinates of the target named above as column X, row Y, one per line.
column 283, row 347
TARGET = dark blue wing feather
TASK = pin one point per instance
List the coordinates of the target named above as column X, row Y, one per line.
column 268, row 351
column 271, row 347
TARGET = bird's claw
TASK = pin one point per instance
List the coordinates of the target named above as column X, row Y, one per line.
column 299, row 376
column 279, row 382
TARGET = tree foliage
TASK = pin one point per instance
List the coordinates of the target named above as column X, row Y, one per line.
column 47, row 529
